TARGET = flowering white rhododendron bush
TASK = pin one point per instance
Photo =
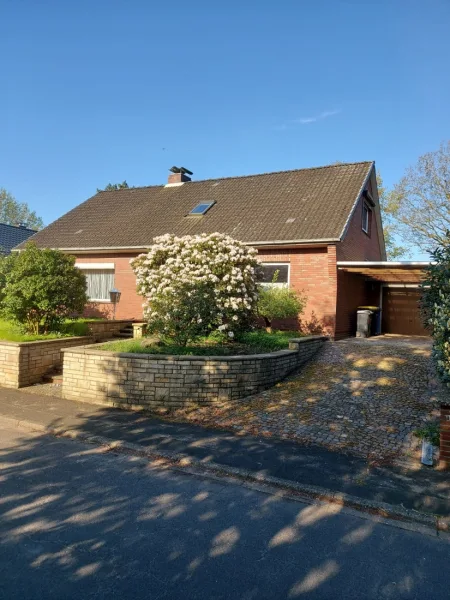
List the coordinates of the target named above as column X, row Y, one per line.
column 195, row 285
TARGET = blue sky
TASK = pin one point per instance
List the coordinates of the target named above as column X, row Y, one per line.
column 105, row 90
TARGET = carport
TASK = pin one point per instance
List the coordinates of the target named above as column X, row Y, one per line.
column 395, row 288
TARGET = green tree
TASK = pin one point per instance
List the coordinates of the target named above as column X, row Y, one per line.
column 419, row 204
column 276, row 302
column 13, row 212
column 393, row 250
column 6, row 265
column 435, row 306
column 42, row 288
column 112, row 187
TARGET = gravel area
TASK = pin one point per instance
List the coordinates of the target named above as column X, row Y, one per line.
column 44, row 389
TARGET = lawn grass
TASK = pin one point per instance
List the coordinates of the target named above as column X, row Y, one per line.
column 254, row 342
column 10, row 332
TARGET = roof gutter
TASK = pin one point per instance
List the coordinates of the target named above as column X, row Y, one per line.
column 383, row 263
column 97, row 249
column 293, row 242
column 144, row 248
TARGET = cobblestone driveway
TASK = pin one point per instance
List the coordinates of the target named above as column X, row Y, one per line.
column 360, row 396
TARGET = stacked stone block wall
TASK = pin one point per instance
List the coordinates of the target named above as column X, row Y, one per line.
column 155, row 381
column 24, row 363
column 9, row 364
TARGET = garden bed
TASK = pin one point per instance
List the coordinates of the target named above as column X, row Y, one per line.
column 157, row 381
column 10, row 332
column 254, row 342
column 98, row 328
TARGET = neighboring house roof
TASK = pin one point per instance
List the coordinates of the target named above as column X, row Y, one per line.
column 11, row 236
column 305, row 205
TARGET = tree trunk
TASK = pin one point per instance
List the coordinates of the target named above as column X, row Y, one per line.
column 268, row 324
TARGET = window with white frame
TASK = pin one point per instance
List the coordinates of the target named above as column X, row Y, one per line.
column 99, row 280
column 366, row 216
column 277, row 271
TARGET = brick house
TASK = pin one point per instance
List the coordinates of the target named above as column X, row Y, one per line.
column 316, row 226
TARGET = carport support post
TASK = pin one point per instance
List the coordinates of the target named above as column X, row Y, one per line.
column 444, row 450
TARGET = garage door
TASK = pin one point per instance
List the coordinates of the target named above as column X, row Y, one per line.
column 401, row 313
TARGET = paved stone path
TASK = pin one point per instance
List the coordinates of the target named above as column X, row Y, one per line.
column 365, row 397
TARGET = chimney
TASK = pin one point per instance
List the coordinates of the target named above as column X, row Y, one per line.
column 179, row 175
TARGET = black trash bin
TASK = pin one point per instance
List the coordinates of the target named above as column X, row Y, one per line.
column 363, row 322
column 376, row 320
column 375, row 324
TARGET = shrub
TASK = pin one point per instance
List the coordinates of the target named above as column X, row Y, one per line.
column 435, row 307
column 429, row 432
column 42, row 288
column 277, row 302
column 194, row 285
column 6, row 265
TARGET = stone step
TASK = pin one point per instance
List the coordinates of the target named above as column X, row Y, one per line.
column 57, row 379
column 54, row 375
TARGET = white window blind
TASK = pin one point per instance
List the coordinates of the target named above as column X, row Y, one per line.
column 99, row 283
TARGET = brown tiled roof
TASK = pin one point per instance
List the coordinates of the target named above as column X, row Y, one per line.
column 301, row 205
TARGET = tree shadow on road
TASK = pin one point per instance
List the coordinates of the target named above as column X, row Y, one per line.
column 78, row 523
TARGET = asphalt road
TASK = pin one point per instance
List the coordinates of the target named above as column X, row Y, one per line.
column 424, row 490
column 76, row 523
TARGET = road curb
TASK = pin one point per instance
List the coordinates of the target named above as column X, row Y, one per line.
column 193, row 466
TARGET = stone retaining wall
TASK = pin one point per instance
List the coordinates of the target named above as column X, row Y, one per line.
column 24, row 363
column 157, row 381
column 103, row 330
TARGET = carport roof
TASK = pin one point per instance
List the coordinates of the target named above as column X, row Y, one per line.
column 407, row 272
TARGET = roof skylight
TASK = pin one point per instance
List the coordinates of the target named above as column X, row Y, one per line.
column 201, row 208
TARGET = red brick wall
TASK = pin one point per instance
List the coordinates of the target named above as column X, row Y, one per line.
column 357, row 245
column 130, row 304
column 312, row 274
column 444, row 451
